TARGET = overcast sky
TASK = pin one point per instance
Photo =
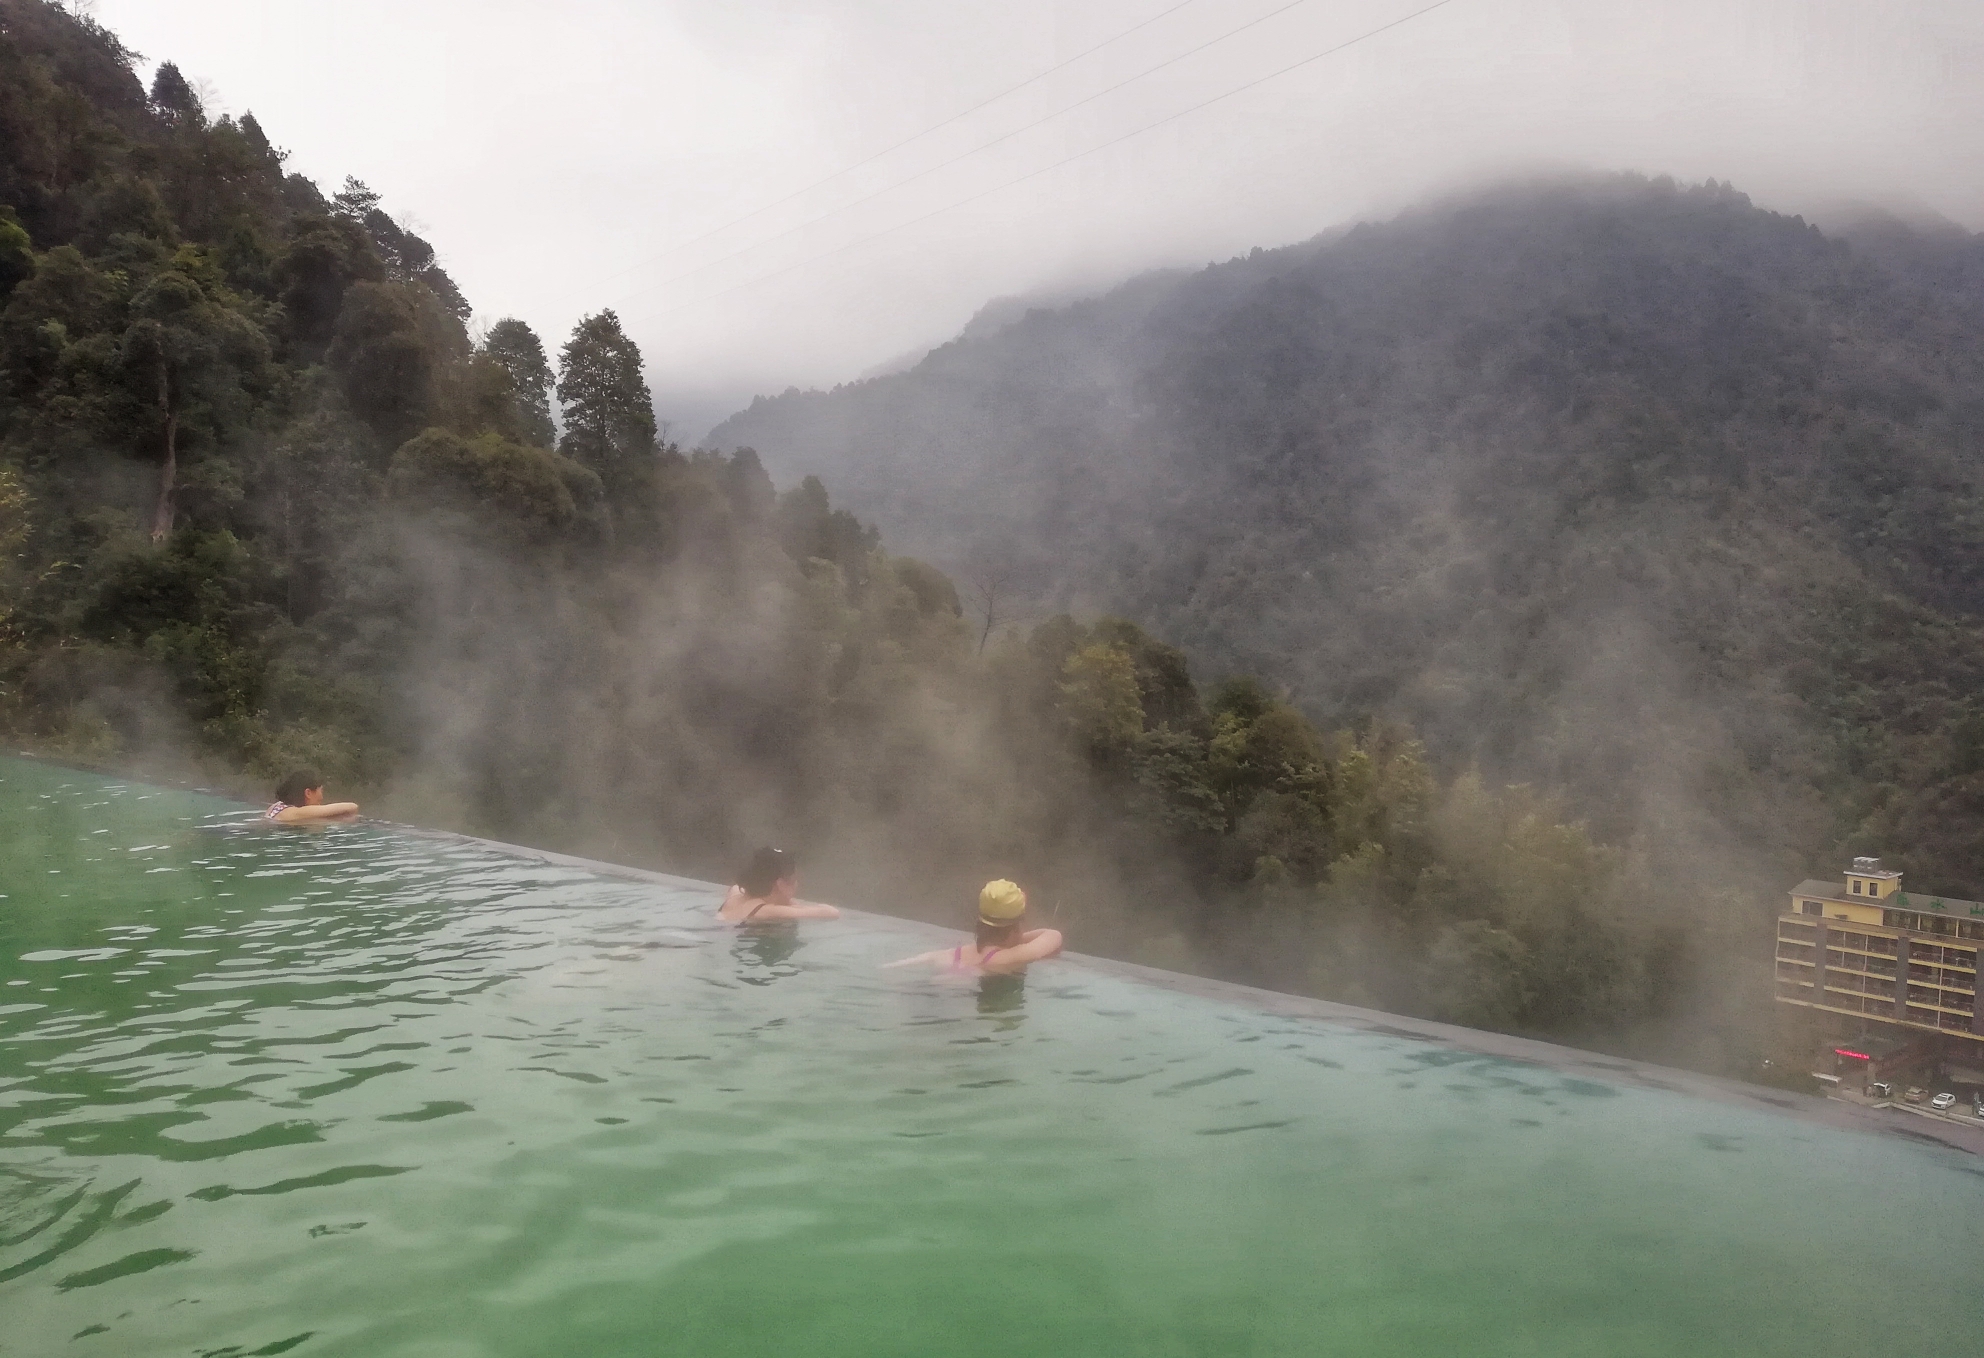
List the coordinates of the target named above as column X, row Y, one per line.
column 600, row 152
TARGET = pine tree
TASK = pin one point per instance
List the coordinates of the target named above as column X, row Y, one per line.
column 354, row 200
column 609, row 414
column 258, row 140
column 515, row 345
column 173, row 96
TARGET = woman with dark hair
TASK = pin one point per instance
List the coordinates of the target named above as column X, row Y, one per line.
column 766, row 890
column 300, row 801
column 1002, row 944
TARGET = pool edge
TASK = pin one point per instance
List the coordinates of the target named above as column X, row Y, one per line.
column 1531, row 1051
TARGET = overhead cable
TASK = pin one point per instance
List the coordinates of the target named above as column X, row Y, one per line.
column 966, row 155
column 1079, row 155
column 844, row 170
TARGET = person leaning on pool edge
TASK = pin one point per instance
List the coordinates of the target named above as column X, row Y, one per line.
column 300, row 801
column 1002, row 944
column 766, row 890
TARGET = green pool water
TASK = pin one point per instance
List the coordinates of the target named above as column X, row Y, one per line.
column 360, row 1093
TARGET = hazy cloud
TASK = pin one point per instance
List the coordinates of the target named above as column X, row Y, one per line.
column 560, row 160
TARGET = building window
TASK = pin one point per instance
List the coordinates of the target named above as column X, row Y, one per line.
column 1813, row 908
column 1856, row 888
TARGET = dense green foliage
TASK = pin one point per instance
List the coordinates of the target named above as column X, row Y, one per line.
column 267, row 500
column 1614, row 486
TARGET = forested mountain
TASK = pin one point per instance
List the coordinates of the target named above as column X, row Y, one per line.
column 1610, row 485
column 271, row 494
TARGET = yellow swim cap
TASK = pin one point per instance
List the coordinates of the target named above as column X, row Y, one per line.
column 1001, row 902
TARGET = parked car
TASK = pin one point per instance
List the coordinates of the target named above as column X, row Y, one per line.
column 1880, row 1089
column 1943, row 1102
column 1914, row 1095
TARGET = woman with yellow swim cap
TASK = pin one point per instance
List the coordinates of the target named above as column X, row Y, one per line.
column 1002, row 945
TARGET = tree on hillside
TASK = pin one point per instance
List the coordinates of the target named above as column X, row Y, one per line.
column 258, row 140
column 16, row 253
column 173, row 96
column 183, row 353
column 324, row 257
column 384, row 365
column 609, row 414
column 355, row 200
column 515, row 345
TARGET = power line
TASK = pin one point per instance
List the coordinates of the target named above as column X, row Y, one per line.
column 1033, row 79
column 1079, row 155
column 966, row 155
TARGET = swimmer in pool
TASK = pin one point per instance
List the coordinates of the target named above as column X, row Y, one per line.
column 300, row 801
column 1003, row 944
column 765, row 891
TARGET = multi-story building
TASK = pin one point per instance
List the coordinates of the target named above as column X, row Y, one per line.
column 1903, row 966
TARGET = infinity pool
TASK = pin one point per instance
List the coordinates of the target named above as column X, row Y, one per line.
column 362, row 1093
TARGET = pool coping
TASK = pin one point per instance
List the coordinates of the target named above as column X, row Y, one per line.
column 1531, row 1051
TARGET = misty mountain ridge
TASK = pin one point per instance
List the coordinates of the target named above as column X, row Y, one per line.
column 1607, row 483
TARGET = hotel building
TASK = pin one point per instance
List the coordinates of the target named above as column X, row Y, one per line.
column 1904, row 966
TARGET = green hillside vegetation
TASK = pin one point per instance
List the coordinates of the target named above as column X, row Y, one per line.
column 1614, row 486
column 266, row 498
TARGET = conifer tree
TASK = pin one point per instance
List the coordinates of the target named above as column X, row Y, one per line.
column 258, row 140
column 515, row 345
column 173, row 96
column 355, row 200
column 609, row 414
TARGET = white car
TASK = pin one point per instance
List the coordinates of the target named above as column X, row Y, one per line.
column 1943, row 1102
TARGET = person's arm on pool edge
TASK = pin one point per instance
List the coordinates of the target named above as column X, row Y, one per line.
column 1036, row 945
column 797, row 910
column 304, row 815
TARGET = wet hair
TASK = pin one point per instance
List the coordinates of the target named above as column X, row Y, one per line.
column 291, row 789
column 766, row 869
column 1003, row 935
